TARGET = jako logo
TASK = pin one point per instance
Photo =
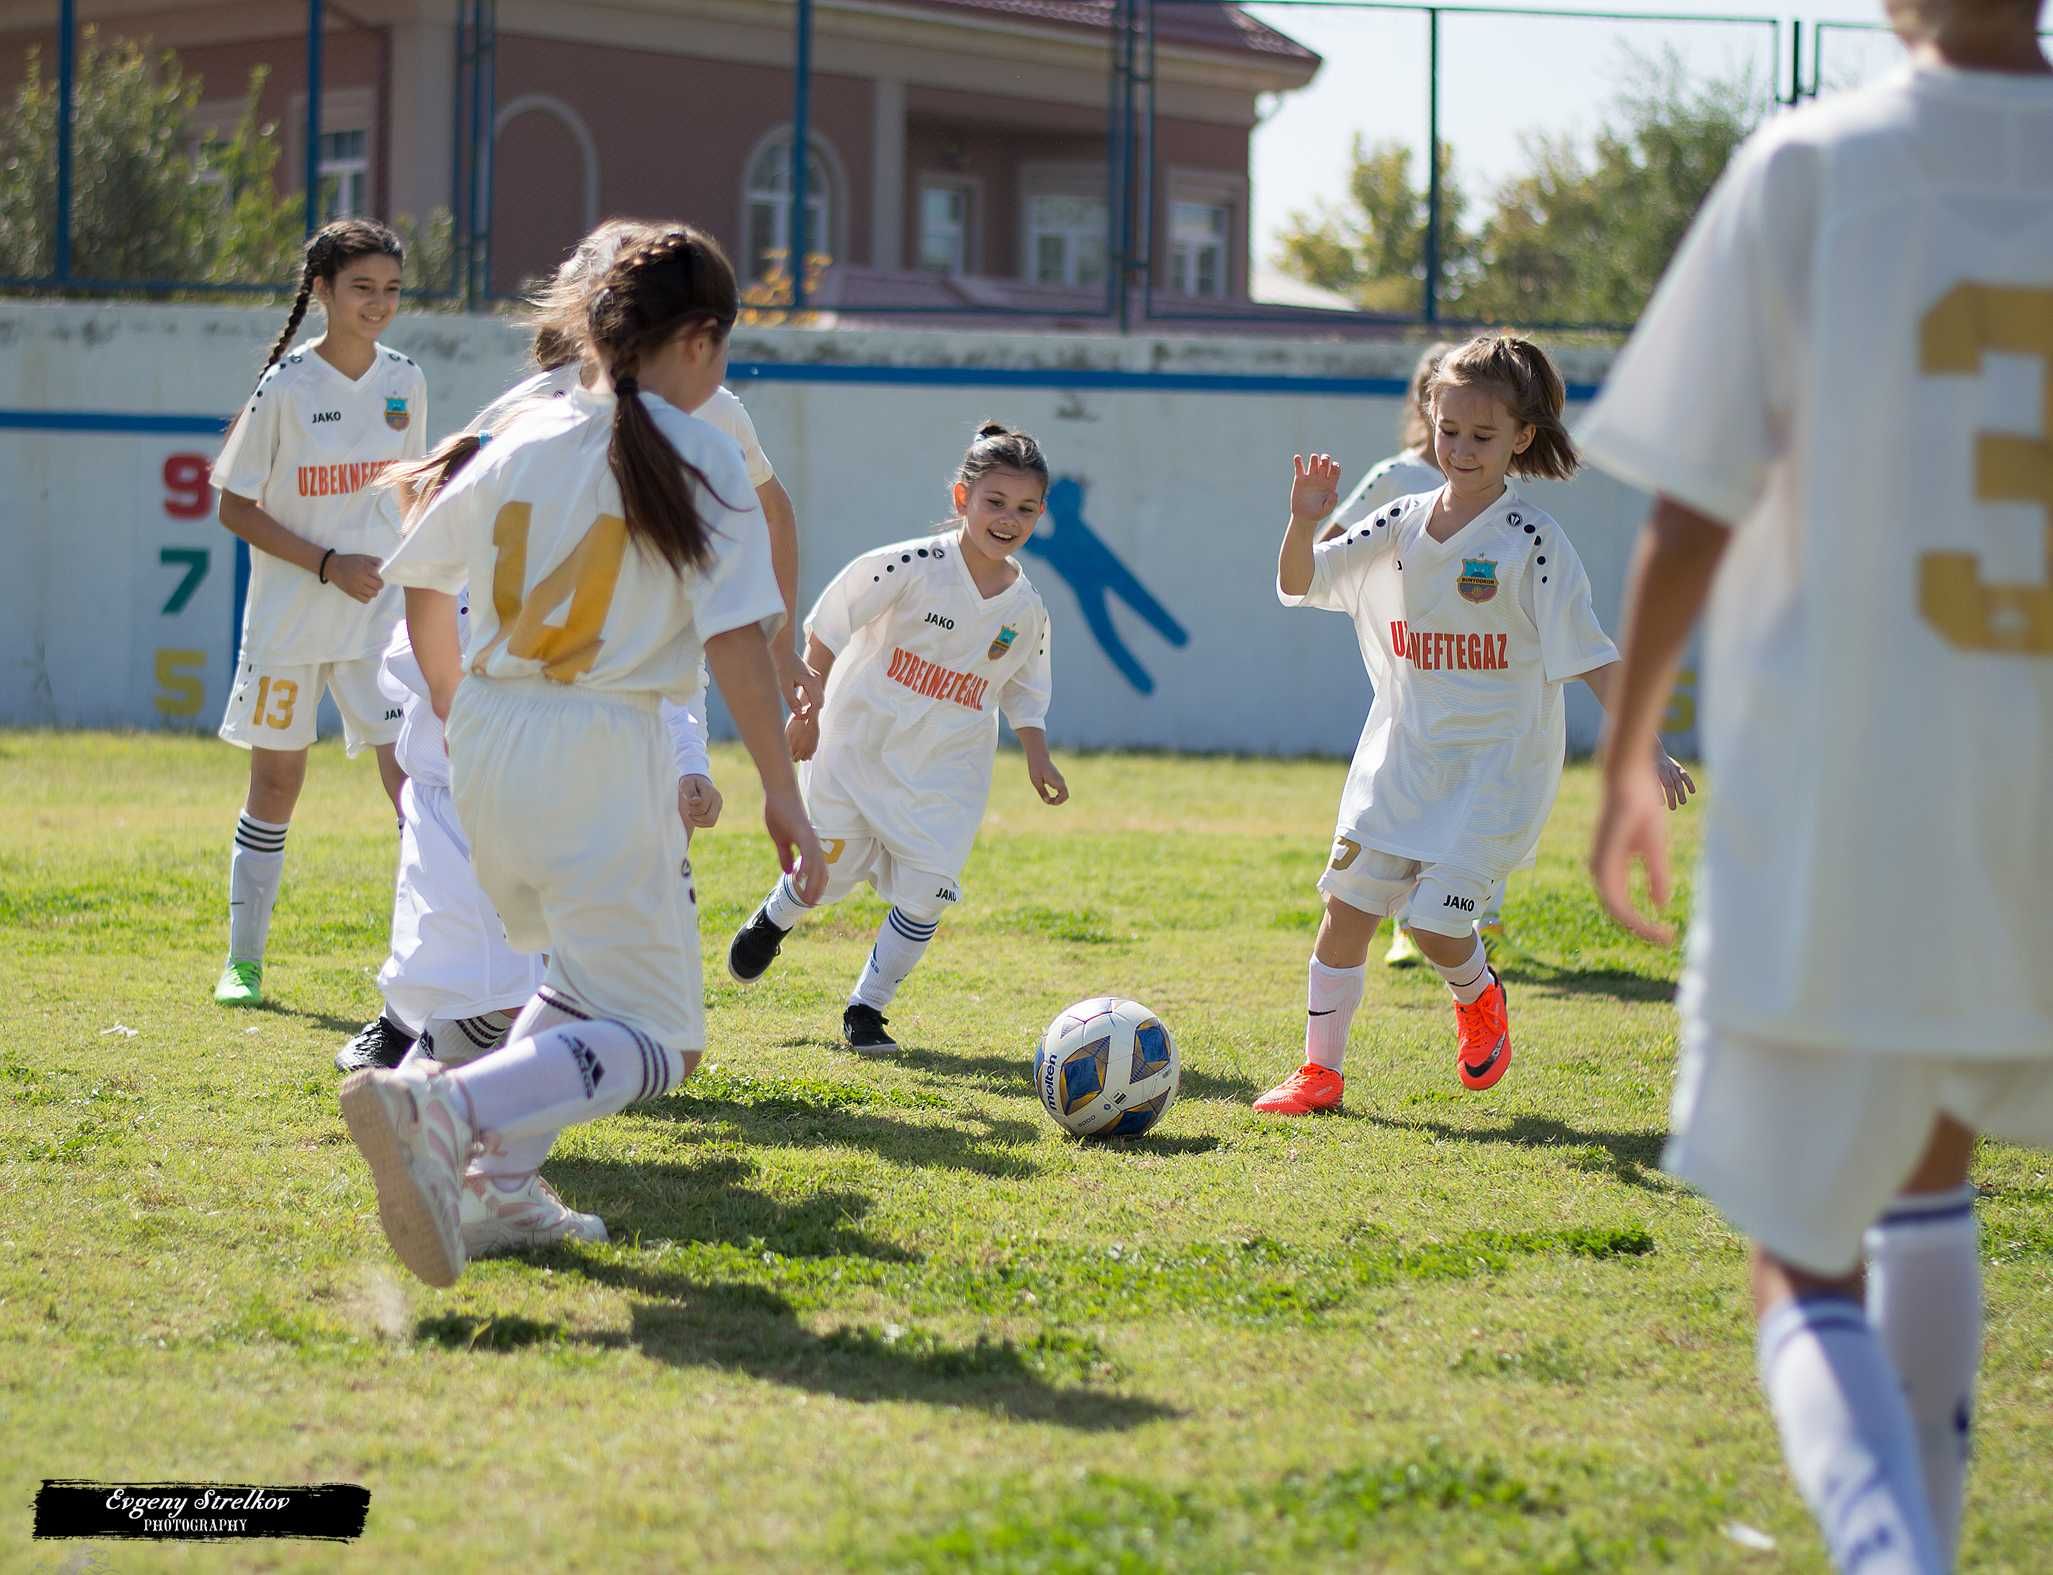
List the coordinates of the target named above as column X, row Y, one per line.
column 1465, row 904
column 946, row 623
column 326, row 415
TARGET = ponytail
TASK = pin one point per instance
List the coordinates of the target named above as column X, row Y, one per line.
column 420, row 483
column 292, row 322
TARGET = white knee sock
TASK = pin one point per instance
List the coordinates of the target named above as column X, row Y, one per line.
column 1467, row 980
column 1847, row 1436
column 783, row 905
column 901, row 942
column 1331, row 996
column 510, row 1161
column 561, row 1076
column 458, row 1041
column 254, row 869
column 1925, row 1301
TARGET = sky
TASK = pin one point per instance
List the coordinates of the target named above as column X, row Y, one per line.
column 1501, row 78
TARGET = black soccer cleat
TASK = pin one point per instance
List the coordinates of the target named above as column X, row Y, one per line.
column 379, row 1046
column 754, row 947
column 863, row 1027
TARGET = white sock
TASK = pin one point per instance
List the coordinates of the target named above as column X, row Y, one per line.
column 458, row 1041
column 901, row 942
column 510, row 1161
column 1925, row 1301
column 561, row 1076
column 254, row 870
column 1467, row 980
column 1331, row 996
column 1847, row 1436
column 783, row 905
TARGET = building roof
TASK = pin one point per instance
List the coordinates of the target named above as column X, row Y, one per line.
column 1202, row 24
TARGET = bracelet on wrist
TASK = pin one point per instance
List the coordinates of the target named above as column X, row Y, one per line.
column 322, row 573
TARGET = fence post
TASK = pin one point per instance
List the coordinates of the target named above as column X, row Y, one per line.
column 801, row 147
column 459, row 233
column 1432, row 291
column 487, row 155
column 1796, row 63
column 67, row 91
column 313, row 149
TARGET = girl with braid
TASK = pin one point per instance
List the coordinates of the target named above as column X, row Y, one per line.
column 295, row 481
column 614, row 541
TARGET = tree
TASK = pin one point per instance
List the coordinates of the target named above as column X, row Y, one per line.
column 1371, row 248
column 258, row 234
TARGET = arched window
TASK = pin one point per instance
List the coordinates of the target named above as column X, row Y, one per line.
column 767, row 205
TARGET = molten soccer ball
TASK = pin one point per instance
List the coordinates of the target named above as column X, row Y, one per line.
column 1107, row 1068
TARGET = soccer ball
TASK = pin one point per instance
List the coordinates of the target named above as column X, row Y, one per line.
column 1107, row 1068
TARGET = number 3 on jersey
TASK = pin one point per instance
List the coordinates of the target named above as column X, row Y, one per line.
column 1969, row 321
column 586, row 578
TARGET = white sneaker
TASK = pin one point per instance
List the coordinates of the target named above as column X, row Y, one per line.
column 496, row 1221
column 411, row 1129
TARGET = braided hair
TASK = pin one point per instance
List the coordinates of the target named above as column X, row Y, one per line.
column 329, row 248
column 675, row 281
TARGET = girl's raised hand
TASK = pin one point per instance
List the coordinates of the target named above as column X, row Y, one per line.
column 1314, row 487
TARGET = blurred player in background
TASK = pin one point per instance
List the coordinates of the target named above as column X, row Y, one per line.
column 1842, row 395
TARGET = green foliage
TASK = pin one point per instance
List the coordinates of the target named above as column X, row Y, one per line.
column 1371, row 248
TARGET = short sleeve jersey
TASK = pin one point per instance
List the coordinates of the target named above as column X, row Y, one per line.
column 306, row 449
column 1475, row 637
column 923, row 664
column 535, row 526
column 724, row 412
column 1399, row 476
column 1850, row 362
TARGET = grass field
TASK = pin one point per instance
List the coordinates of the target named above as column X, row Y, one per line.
column 884, row 1316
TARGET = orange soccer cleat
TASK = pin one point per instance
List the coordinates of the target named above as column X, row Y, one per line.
column 1484, row 1024
column 1310, row 1088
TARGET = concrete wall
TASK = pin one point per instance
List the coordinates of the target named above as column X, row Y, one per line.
column 1171, row 456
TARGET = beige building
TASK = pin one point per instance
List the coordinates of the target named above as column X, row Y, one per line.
column 958, row 148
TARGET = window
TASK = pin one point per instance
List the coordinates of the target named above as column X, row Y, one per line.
column 769, row 207
column 1066, row 240
column 345, row 174
column 944, row 227
column 1197, row 241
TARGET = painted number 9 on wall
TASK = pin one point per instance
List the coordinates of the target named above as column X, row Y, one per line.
column 180, row 670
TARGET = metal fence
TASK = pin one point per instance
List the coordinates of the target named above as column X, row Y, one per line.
column 1478, row 80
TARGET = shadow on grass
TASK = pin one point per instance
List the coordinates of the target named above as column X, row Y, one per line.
column 326, row 1021
column 1522, row 970
column 1010, row 1075
column 791, row 1124
column 1630, row 1157
column 709, row 1202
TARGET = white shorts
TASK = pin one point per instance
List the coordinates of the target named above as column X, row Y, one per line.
column 276, row 707
column 1435, row 897
column 923, row 894
column 1803, row 1149
column 570, row 802
column 449, row 952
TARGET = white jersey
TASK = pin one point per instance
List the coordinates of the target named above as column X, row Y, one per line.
column 305, row 449
column 1399, row 476
column 923, row 662
column 1475, row 636
column 537, row 517
column 1851, row 363
column 724, row 412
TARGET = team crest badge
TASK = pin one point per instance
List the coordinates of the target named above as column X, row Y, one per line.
column 1478, row 582
column 395, row 414
column 1003, row 643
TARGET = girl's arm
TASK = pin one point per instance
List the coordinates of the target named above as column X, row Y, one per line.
column 800, row 684
column 802, row 732
column 1676, row 783
column 1040, row 769
column 739, row 660
column 1314, row 490
column 431, row 626
column 353, row 573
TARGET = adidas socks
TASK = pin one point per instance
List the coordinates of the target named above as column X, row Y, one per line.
column 1847, row 1435
column 254, row 870
column 1925, row 1301
column 1468, row 979
column 783, row 905
column 1331, row 996
column 458, row 1041
column 901, row 942
column 576, row 1072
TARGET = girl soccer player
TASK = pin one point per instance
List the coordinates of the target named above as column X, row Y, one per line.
column 614, row 542
column 1478, row 613
column 920, row 643
column 295, row 481
column 1845, row 480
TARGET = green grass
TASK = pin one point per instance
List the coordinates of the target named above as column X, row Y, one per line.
column 884, row 1316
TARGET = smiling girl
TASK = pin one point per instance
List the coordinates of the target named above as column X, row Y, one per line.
column 1479, row 612
column 295, row 481
column 920, row 644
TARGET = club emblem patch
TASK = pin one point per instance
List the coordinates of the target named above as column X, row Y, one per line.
column 1478, row 582
column 1003, row 643
column 395, row 414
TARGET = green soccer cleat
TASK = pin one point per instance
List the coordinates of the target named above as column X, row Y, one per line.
column 242, row 984
column 1404, row 951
